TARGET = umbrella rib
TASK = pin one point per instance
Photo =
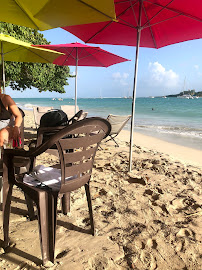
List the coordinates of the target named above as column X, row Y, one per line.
column 96, row 10
column 163, row 21
column 176, row 11
column 15, row 49
column 133, row 12
column 12, row 50
column 163, row 7
column 131, row 6
column 38, row 55
column 97, row 50
column 152, row 34
column 69, row 54
column 92, row 54
column 118, row 18
column 24, row 11
column 102, row 29
column 20, row 47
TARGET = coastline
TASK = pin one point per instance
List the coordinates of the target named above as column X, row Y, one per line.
column 184, row 154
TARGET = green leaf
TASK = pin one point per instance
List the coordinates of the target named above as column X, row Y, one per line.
column 45, row 77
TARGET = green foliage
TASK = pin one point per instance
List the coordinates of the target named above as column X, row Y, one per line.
column 45, row 77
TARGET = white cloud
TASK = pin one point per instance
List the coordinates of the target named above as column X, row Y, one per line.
column 116, row 75
column 121, row 78
column 160, row 77
column 125, row 75
column 196, row 66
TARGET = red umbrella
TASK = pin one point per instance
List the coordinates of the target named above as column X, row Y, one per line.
column 77, row 54
column 158, row 22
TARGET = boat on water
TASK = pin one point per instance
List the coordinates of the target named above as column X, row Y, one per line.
column 53, row 98
column 186, row 97
column 60, row 99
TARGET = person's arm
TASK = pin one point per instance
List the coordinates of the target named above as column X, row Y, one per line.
column 10, row 104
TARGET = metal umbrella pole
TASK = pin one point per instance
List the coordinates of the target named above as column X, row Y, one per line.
column 134, row 88
column 76, row 79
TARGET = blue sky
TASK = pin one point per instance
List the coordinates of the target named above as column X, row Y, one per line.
column 160, row 72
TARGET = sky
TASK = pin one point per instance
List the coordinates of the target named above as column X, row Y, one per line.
column 164, row 71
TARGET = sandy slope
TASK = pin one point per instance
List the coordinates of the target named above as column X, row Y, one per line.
column 147, row 219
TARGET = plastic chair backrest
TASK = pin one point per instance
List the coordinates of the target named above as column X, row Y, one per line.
column 77, row 151
column 77, row 145
column 38, row 112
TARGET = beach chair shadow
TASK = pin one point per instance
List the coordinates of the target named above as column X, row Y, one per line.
column 117, row 122
column 77, row 145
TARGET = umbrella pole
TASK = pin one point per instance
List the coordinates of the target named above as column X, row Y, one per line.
column 3, row 67
column 134, row 89
column 76, row 79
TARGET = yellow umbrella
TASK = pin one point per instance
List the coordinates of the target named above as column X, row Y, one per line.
column 20, row 51
column 47, row 14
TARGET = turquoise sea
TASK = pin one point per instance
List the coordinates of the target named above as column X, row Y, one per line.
column 171, row 119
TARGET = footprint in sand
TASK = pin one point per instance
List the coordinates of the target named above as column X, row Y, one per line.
column 185, row 203
column 148, row 192
column 186, row 233
column 183, row 238
column 178, row 203
column 148, row 259
column 179, row 246
column 151, row 243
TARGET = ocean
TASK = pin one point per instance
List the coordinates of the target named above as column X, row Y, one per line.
column 171, row 119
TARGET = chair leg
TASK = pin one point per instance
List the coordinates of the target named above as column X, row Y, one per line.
column 115, row 141
column 7, row 192
column 112, row 138
column 87, row 189
column 30, row 207
column 66, row 203
column 47, row 214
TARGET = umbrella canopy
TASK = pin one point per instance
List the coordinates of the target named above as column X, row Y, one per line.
column 47, row 14
column 163, row 22
column 145, row 23
column 77, row 54
column 19, row 51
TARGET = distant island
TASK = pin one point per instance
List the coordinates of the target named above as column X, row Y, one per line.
column 192, row 93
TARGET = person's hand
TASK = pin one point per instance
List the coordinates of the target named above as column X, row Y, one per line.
column 16, row 133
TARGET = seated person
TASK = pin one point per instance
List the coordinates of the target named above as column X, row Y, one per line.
column 10, row 119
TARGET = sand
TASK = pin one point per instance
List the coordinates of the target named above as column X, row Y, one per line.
column 147, row 219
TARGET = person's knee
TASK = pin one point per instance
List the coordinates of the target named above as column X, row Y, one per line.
column 3, row 136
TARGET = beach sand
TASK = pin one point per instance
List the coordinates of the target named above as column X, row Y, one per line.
column 147, row 219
